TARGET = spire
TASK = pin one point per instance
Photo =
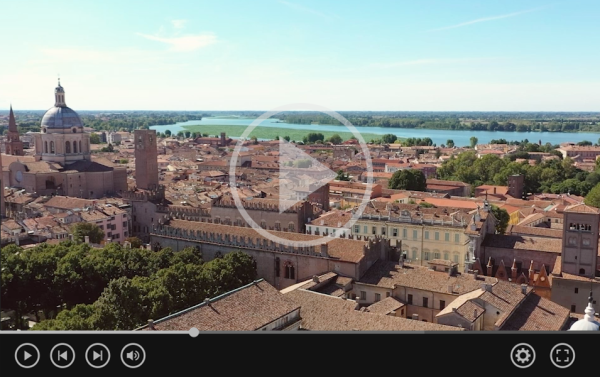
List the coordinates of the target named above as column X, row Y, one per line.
column 12, row 124
column 590, row 311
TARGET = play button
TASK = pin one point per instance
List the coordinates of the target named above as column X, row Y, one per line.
column 299, row 175
column 27, row 355
column 97, row 355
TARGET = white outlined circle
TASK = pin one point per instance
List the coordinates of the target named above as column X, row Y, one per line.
column 52, row 359
column 143, row 355
column 194, row 332
column 531, row 357
column 233, row 164
column 552, row 358
column 107, row 358
column 17, row 358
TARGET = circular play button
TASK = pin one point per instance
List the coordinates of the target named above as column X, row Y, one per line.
column 62, row 355
column 97, row 355
column 27, row 355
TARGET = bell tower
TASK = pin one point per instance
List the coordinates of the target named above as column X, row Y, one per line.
column 14, row 145
column 146, row 159
column 580, row 240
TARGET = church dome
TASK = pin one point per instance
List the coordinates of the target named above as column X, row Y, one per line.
column 61, row 117
column 587, row 323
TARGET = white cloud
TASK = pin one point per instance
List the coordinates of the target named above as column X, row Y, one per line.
column 485, row 19
column 429, row 62
column 304, row 9
column 184, row 43
column 178, row 24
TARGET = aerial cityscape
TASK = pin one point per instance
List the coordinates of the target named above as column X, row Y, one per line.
column 432, row 171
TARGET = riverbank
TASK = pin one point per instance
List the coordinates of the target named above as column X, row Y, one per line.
column 269, row 133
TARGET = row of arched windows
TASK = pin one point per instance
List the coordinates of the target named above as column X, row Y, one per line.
column 67, row 147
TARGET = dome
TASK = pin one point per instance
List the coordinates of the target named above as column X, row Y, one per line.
column 587, row 323
column 61, row 117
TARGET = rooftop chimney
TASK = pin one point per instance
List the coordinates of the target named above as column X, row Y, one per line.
column 524, row 289
column 315, row 278
column 207, row 301
column 415, row 317
column 450, row 289
column 151, row 324
column 475, row 273
column 486, row 287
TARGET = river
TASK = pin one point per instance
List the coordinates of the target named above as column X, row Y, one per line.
column 460, row 138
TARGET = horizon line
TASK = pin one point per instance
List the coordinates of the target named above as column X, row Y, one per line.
column 372, row 111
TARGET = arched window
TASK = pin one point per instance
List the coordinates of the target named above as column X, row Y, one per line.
column 291, row 227
column 68, row 147
column 51, row 147
column 45, row 147
column 277, row 267
column 290, row 272
column 582, row 271
column 80, row 150
column 74, row 130
column 74, row 147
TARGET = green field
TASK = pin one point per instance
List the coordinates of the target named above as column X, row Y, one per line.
column 271, row 132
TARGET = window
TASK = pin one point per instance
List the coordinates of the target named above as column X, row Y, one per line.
column 445, row 256
column 291, row 227
column 447, row 237
column 101, row 227
column 45, row 146
column 377, row 297
column 356, row 229
column 134, row 218
column 456, row 238
column 374, row 230
column 395, row 232
column 363, row 295
column 573, row 308
column 425, row 302
column 455, row 258
column 277, row 225
column 582, row 271
column 415, row 235
column 426, row 255
column 51, row 147
column 289, row 272
column 365, row 231
column 437, row 236
column 442, row 304
column 80, row 150
column 404, row 233
column 414, row 254
column 585, row 242
column 409, row 300
column 572, row 241
column 277, row 266
column 383, row 230
column 436, row 255
column 263, row 224
column 387, row 294
column 426, row 234
column 576, row 290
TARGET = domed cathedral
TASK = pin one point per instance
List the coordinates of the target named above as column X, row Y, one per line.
column 63, row 162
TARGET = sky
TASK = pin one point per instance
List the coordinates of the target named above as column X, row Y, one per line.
column 379, row 55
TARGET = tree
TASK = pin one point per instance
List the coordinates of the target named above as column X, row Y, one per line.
column 408, row 179
column 389, row 138
column 335, row 139
column 473, row 141
column 187, row 134
column 286, row 138
column 254, row 140
column 450, row 143
column 593, row 197
column 108, row 148
column 341, row 176
column 502, row 219
column 135, row 242
column 94, row 138
column 168, row 133
column 80, row 230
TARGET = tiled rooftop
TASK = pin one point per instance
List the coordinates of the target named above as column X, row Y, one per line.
column 245, row 309
column 385, row 306
column 523, row 243
column 389, row 274
column 537, row 314
column 320, row 312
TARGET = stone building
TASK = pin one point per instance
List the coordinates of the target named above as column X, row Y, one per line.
column 63, row 163
column 146, row 159
column 280, row 265
column 13, row 144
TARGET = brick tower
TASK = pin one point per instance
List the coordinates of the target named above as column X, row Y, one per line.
column 146, row 159
column 14, row 145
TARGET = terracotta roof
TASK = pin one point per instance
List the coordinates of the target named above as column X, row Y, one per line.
column 326, row 313
column 537, row 314
column 348, row 250
column 332, row 219
column 506, row 297
column 245, row 309
column 470, row 311
column 549, row 245
column 385, row 306
column 460, row 301
column 389, row 274
column 581, row 208
column 534, row 231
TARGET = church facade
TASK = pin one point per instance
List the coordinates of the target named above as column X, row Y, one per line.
column 63, row 164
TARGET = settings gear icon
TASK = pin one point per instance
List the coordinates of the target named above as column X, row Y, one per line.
column 522, row 355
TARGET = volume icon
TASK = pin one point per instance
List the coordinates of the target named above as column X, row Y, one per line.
column 133, row 355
